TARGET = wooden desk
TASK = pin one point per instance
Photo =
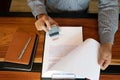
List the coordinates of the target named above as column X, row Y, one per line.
column 9, row 25
column 36, row 76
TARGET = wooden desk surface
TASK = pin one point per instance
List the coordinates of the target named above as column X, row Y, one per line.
column 9, row 25
column 37, row 76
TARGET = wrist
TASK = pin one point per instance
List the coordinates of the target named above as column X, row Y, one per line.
column 107, row 46
column 41, row 15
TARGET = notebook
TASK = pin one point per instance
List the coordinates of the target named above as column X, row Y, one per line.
column 21, row 51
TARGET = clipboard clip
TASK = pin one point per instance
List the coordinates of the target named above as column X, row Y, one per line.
column 66, row 76
column 63, row 76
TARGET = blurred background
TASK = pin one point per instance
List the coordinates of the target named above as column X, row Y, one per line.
column 21, row 6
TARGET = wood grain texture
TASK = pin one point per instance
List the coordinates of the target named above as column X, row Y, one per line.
column 109, row 77
column 7, row 75
column 8, row 25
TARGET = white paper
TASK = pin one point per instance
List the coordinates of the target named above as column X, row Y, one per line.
column 82, row 61
column 54, row 50
column 69, row 54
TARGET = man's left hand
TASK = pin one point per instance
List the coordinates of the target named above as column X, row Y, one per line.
column 105, row 55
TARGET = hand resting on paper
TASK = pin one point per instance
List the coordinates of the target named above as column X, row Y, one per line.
column 44, row 22
column 105, row 55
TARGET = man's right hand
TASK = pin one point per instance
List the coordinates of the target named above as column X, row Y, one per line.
column 44, row 22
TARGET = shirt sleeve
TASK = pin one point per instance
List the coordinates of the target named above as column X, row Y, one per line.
column 108, row 20
column 37, row 7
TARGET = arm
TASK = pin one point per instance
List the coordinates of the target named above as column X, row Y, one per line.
column 37, row 7
column 43, row 21
column 107, row 20
column 108, row 25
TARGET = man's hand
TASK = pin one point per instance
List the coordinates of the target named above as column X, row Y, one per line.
column 105, row 55
column 44, row 22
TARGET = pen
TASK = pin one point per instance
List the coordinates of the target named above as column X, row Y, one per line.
column 25, row 47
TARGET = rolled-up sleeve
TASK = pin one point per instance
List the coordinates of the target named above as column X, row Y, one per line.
column 108, row 20
column 37, row 7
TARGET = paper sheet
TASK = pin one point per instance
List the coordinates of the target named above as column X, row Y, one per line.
column 82, row 61
column 54, row 50
column 70, row 55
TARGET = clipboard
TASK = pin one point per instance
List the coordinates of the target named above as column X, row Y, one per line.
column 82, row 55
column 64, row 36
column 62, row 76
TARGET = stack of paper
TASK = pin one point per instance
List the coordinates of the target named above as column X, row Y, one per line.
column 70, row 55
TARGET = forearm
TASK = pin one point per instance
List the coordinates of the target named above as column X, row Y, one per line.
column 108, row 20
column 37, row 7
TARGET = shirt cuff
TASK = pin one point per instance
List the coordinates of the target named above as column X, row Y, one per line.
column 107, row 37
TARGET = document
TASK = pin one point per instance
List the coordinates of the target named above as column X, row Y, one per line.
column 70, row 55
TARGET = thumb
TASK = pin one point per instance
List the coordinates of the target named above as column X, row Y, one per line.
column 53, row 22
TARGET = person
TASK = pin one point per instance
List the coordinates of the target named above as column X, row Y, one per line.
column 107, row 20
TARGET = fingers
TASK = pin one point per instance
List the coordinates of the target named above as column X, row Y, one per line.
column 104, row 61
column 44, row 23
column 53, row 22
column 39, row 25
column 101, row 61
column 104, row 64
column 104, row 58
column 48, row 26
column 45, row 29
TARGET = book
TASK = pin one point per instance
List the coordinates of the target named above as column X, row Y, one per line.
column 69, row 57
column 21, row 51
